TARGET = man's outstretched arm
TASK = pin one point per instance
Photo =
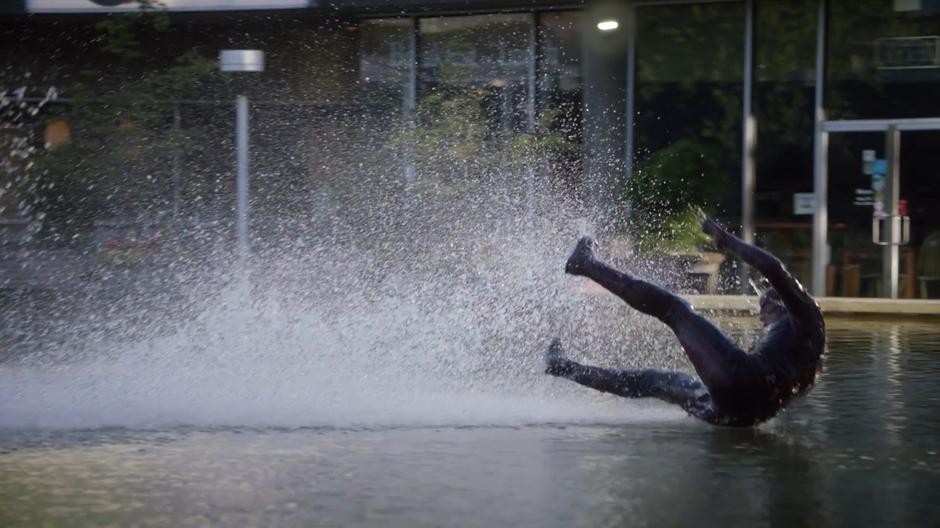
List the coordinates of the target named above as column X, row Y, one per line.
column 791, row 292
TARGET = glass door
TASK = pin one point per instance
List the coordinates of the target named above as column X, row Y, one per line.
column 881, row 231
column 857, row 168
column 920, row 202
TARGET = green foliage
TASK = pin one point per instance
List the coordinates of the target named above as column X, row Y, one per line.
column 451, row 130
column 450, row 127
column 118, row 33
column 677, row 233
column 121, row 257
column 63, row 190
column 121, row 137
column 541, row 143
column 684, row 174
column 453, row 137
column 667, row 190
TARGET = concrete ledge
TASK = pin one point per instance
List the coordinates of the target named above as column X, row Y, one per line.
column 829, row 305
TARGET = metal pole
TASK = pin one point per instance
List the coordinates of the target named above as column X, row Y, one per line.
column 881, row 125
column 749, row 140
column 410, row 99
column 820, row 161
column 177, row 162
column 629, row 117
column 241, row 180
column 892, row 229
column 531, row 73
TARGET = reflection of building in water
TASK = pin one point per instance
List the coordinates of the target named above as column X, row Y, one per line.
column 764, row 113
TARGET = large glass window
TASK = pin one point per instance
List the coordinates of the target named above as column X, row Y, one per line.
column 883, row 62
column 560, row 82
column 688, row 99
column 483, row 57
column 883, row 59
column 385, row 59
column 490, row 91
column 783, row 102
column 561, row 86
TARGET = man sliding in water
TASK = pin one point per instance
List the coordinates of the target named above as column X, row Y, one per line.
column 734, row 388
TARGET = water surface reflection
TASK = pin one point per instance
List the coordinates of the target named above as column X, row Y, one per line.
column 862, row 449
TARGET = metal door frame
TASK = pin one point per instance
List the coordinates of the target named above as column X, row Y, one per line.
column 892, row 129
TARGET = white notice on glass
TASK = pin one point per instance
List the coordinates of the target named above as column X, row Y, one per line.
column 804, row 203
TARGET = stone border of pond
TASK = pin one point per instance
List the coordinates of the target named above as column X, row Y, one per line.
column 829, row 305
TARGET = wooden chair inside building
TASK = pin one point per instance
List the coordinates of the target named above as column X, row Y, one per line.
column 859, row 273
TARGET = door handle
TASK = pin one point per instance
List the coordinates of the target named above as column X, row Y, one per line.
column 899, row 225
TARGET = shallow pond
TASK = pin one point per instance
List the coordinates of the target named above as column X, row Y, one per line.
column 862, row 449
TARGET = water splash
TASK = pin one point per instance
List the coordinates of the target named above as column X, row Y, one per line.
column 359, row 328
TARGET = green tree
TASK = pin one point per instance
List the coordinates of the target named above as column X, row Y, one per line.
column 121, row 138
column 452, row 139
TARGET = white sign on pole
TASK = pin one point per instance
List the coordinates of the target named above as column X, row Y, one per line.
column 804, row 203
column 241, row 60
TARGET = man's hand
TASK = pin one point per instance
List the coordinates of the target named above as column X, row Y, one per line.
column 715, row 230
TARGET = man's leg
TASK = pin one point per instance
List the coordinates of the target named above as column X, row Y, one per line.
column 672, row 387
column 714, row 356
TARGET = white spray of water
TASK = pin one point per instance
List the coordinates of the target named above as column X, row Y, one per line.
column 446, row 328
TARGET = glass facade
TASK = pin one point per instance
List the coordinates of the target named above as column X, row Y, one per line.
column 920, row 195
column 689, row 72
column 883, row 62
column 384, row 58
column 855, row 164
column 883, row 59
column 560, row 90
column 483, row 57
column 478, row 86
column 855, row 263
column 784, row 81
column 856, row 172
column 688, row 88
column 688, row 96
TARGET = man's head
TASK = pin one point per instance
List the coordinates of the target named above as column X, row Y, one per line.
column 772, row 308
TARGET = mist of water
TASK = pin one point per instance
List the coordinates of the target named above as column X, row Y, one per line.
column 440, row 323
column 370, row 301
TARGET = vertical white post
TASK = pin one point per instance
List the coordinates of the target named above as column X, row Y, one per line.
column 530, row 112
column 629, row 117
column 241, row 180
column 820, row 161
column 531, row 73
column 892, row 229
column 410, row 99
column 748, row 140
column 177, row 162
column 241, row 61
